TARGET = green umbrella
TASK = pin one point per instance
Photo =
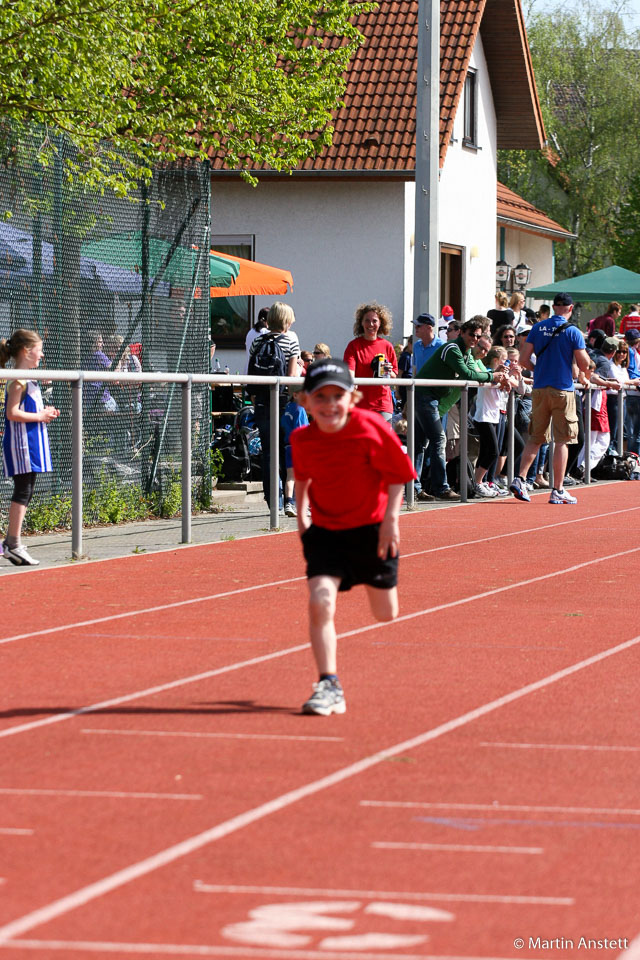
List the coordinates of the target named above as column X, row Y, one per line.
column 125, row 250
column 611, row 283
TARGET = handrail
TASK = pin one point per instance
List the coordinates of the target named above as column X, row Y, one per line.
column 77, row 378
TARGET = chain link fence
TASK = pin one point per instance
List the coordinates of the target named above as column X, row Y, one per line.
column 113, row 283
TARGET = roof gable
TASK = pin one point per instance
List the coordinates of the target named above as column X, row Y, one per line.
column 375, row 129
column 514, row 211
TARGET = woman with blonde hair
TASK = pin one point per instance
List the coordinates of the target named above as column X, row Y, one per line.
column 502, row 314
column 321, row 350
column 370, row 355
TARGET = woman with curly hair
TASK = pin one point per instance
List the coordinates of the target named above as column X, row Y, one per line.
column 370, row 355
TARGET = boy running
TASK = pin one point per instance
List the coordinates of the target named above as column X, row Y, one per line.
column 351, row 469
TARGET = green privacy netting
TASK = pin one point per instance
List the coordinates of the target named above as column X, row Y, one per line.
column 111, row 283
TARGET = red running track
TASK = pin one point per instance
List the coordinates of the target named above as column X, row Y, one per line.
column 161, row 794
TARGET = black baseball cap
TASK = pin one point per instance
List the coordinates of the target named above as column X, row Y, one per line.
column 328, row 372
column 562, row 300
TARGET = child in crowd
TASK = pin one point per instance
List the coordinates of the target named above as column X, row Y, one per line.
column 25, row 446
column 489, row 403
column 294, row 416
column 600, row 432
column 351, row 469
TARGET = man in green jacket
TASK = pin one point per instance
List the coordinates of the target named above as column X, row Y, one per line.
column 452, row 361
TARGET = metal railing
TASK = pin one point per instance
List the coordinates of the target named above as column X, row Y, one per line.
column 77, row 379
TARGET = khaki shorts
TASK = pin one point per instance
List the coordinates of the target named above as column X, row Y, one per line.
column 556, row 407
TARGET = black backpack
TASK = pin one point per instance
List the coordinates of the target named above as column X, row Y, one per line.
column 613, row 467
column 268, row 360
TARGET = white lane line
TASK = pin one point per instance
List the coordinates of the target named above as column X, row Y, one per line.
column 201, row 950
column 115, row 794
column 137, row 613
column 517, row 533
column 214, row 736
column 200, row 887
column 16, row 831
column 379, row 625
column 606, row 748
column 277, row 583
column 142, row 868
column 497, row 807
column 633, row 950
column 453, row 847
column 490, row 593
column 149, row 692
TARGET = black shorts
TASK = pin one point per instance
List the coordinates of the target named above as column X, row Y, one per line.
column 351, row 555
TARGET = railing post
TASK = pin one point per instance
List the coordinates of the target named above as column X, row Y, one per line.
column 274, row 462
column 621, row 404
column 186, row 461
column 511, row 426
column 411, row 437
column 464, row 442
column 587, row 434
column 76, row 468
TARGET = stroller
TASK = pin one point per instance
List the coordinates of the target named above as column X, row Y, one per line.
column 239, row 444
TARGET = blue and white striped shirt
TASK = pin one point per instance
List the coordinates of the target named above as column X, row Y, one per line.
column 25, row 446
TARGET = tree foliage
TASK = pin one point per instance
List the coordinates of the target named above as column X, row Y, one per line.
column 586, row 68
column 162, row 79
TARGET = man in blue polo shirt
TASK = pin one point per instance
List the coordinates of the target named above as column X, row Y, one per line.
column 556, row 344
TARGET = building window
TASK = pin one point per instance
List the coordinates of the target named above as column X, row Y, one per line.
column 470, row 136
column 231, row 317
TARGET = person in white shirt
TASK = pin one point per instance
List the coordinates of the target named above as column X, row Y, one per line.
column 260, row 326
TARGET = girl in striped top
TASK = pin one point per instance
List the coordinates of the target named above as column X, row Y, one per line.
column 25, row 444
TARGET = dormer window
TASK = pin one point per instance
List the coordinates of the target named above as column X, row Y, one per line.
column 470, row 136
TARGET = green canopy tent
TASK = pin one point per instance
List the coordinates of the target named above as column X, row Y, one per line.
column 600, row 286
column 167, row 262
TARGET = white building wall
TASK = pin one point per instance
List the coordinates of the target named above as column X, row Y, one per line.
column 468, row 197
column 343, row 241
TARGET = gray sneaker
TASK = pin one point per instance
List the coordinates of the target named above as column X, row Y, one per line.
column 519, row 490
column 327, row 698
column 19, row 556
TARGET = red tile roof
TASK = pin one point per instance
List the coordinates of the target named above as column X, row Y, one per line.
column 515, row 212
column 375, row 129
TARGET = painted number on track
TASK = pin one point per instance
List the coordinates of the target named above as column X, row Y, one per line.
column 277, row 925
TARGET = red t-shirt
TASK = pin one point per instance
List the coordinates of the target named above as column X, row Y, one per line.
column 351, row 470
column 359, row 356
column 630, row 322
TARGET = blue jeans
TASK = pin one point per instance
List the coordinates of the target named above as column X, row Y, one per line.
column 429, row 430
column 632, row 423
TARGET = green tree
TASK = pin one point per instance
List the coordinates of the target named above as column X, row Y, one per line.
column 161, row 79
column 585, row 64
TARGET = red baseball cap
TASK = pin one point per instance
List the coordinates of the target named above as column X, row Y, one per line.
column 447, row 311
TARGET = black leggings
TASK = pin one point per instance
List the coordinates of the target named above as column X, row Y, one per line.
column 23, row 487
column 489, row 449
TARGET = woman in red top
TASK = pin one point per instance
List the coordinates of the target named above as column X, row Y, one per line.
column 371, row 320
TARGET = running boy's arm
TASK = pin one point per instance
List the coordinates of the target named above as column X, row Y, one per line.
column 302, row 505
column 389, row 535
column 14, row 396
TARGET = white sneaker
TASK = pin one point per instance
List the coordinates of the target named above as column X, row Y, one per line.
column 327, row 698
column 498, row 490
column 561, row 496
column 484, row 490
column 290, row 509
column 19, row 556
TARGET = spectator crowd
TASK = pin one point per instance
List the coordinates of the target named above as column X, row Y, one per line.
column 496, row 351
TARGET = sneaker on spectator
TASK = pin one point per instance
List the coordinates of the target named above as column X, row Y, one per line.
column 327, row 698
column 501, row 482
column 569, row 482
column 561, row 496
column 447, row 495
column 484, row 490
column 519, row 490
column 529, row 485
column 19, row 556
column 498, row 490
column 289, row 508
